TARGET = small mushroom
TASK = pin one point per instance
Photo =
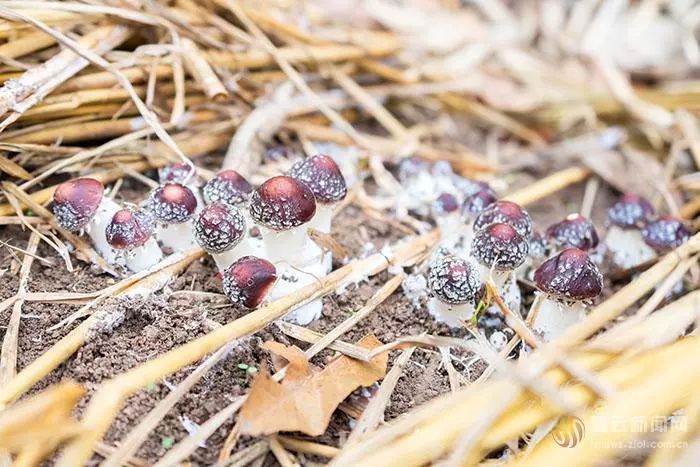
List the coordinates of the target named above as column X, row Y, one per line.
column 665, row 234
column 566, row 282
column 184, row 174
column 248, row 280
column 575, row 231
column 228, row 187
column 624, row 238
column 131, row 231
column 500, row 250
column 505, row 212
column 323, row 177
column 445, row 210
column 454, row 284
column 220, row 230
column 80, row 204
column 284, row 206
column 474, row 204
column 173, row 206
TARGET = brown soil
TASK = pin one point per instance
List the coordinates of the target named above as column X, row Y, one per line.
column 154, row 326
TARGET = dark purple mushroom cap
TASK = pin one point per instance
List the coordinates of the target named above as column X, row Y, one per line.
column 323, row 177
column 500, row 246
column 282, row 203
column 129, row 229
column 228, row 186
column 505, row 212
column 75, row 202
column 445, row 204
column 175, row 173
column 570, row 275
column 453, row 280
column 219, row 227
column 411, row 167
column 475, row 203
column 665, row 233
column 630, row 212
column 172, row 203
column 248, row 280
column 574, row 231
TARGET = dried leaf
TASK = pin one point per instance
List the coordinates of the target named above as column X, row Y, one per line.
column 306, row 398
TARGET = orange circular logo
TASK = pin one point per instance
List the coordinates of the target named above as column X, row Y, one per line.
column 569, row 432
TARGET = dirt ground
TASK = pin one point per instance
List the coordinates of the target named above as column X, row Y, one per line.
column 168, row 320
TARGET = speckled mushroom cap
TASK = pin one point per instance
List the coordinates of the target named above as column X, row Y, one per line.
column 75, row 202
column 282, row 203
column 445, row 204
column 323, row 177
column 574, row 231
column 228, row 186
column 500, row 246
column 665, row 233
column 175, row 173
column 505, row 212
column 475, row 203
column 630, row 212
column 219, row 227
column 247, row 281
column 172, row 203
column 569, row 276
column 453, row 280
column 129, row 228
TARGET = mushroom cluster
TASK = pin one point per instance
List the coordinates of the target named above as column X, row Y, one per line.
column 257, row 236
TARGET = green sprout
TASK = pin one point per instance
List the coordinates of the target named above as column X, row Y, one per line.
column 167, row 442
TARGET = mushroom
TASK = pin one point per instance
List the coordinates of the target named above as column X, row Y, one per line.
column 624, row 237
column 80, row 204
column 445, row 210
column 500, row 250
column 505, row 212
column 283, row 206
column 131, row 231
column 220, row 230
column 575, row 231
column 173, row 205
column 538, row 250
column 665, row 233
column 183, row 173
column 566, row 282
column 323, row 177
column 454, row 284
column 229, row 187
column 248, row 280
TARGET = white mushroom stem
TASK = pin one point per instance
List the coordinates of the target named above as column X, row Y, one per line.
column 179, row 237
column 291, row 279
column 552, row 317
column 292, row 246
column 506, row 285
column 452, row 315
column 143, row 257
column 627, row 247
column 323, row 218
column 96, row 229
column 245, row 248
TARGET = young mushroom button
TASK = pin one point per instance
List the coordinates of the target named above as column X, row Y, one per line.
column 283, row 205
column 323, row 177
column 80, row 204
column 574, row 231
column 248, row 280
column 624, row 239
column 665, row 234
column 131, row 230
column 567, row 282
column 454, row 284
column 219, row 230
column 229, row 187
column 173, row 206
column 505, row 212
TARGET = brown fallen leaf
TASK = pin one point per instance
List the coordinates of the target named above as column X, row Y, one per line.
column 306, row 398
